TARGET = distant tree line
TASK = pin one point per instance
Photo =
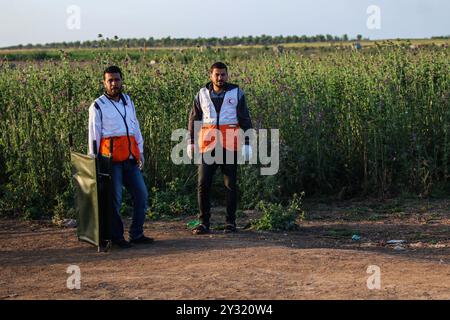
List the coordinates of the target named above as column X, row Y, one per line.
column 441, row 37
column 151, row 42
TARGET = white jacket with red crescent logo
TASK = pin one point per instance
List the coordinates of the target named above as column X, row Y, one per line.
column 228, row 111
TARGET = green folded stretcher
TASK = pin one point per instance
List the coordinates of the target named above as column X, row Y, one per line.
column 93, row 198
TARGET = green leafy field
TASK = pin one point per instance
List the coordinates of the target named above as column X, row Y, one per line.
column 373, row 122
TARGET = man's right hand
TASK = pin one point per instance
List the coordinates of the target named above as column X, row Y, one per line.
column 190, row 150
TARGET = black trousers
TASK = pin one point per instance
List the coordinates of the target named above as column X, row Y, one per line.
column 205, row 178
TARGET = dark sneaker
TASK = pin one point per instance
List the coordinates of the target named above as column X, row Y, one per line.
column 230, row 228
column 142, row 240
column 122, row 244
column 200, row 229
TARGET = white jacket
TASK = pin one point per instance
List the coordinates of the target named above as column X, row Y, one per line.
column 107, row 121
column 228, row 111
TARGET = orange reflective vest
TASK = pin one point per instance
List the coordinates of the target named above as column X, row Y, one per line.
column 123, row 148
column 221, row 127
column 226, row 134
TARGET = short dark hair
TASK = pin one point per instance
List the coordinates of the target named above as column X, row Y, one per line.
column 218, row 65
column 112, row 69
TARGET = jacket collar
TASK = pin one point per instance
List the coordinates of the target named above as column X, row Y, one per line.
column 122, row 97
column 227, row 87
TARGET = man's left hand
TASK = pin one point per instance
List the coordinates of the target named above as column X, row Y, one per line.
column 141, row 162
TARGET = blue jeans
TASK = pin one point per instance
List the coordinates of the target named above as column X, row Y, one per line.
column 127, row 174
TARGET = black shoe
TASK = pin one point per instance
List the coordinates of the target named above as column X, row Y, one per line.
column 200, row 229
column 122, row 244
column 230, row 228
column 142, row 240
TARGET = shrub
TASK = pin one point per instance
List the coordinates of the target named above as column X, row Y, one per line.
column 277, row 217
column 173, row 201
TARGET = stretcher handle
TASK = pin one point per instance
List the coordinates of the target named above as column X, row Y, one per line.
column 94, row 147
column 70, row 141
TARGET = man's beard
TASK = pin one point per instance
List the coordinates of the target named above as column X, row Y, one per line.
column 114, row 92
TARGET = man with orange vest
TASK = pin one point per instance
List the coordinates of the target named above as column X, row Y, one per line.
column 221, row 110
column 112, row 119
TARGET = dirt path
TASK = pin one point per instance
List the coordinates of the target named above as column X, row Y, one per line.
column 318, row 261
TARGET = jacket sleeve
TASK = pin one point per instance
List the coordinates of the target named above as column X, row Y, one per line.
column 196, row 114
column 138, row 134
column 243, row 115
column 95, row 129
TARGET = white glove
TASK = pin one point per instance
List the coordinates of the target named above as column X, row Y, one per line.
column 247, row 152
column 190, row 150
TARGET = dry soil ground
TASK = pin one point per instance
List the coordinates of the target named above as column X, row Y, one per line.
column 318, row 261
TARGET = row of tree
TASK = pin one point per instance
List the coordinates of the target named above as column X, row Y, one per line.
column 116, row 42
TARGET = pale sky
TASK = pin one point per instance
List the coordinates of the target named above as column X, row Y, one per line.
column 42, row 21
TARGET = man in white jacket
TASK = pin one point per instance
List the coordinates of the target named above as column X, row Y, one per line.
column 112, row 117
column 220, row 110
